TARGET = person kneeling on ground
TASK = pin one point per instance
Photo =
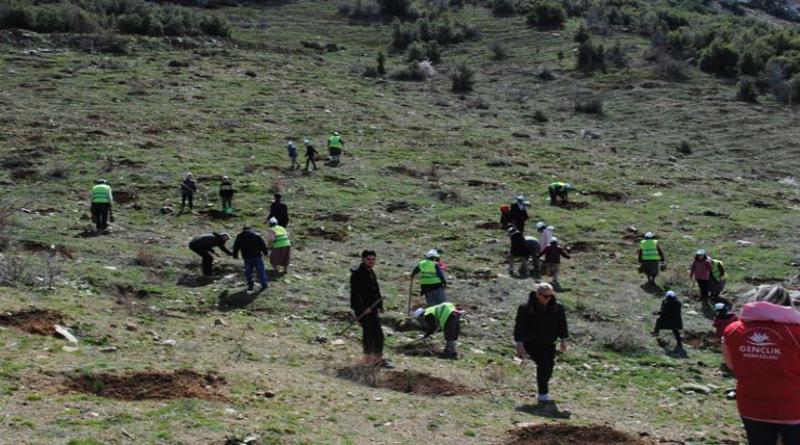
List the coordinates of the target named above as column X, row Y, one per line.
column 252, row 246
column 204, row 245
column 669, row 317
column 539, row 323
column 446, row 317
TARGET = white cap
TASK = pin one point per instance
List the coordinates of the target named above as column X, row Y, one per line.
column 225, row 177
column 432, row 254
column 225, row 234
column 418, row 312
column 553, row 240
column 520, row 198
column 568, row 185
column 272, row 221
column 540, row 225
column 670, row 294
column 511, row 230
column 701, row 252
column 719, row 306
column 306, row 141
column 648, row 235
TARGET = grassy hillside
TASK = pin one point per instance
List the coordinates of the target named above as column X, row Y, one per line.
column 217, row 106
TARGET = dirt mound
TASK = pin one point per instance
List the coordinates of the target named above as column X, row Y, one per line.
column 410, row 382
column 581, row 246
column 701, row 340
column 34, row 321
column 418, row 349
column 38, row 246
column 558, row 434
column 158, row 385
column 129, row 291
column 124, row 196
column 447, row 196
column 213, row 213
column 572, row 205
column 608, row 196
column 320, row 232
column 489, row 226
column 337, row 217
column 188, row 280
column 396, row 206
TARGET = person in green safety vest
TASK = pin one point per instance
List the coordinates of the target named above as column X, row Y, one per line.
column 559, row 190
column 100, row 199
column 431, row 278
column 444, row 317
column 226, row 192
column 651, row 257
column 717, row 284
column 280, row 245
column 335, row 146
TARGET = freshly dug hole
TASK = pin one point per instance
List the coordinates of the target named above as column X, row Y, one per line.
column 557, row 434
column 701, row 340
column 410, row 382
column 33, row 321
column 38, row 246
column 571, row 205
column 157, row 385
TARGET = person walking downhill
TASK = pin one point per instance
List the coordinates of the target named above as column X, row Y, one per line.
column 280, row 246
column 651, row 257
column 292, row 149
column 367, row 302
column 252, row 246
column 669, row 317
column 717, row 282
column 700, row 270
column 762, row 349
column 552, row 261
column 446, row 317
column 226, row 192
column 279, row 211
column 188, row 189
column 311, row 154
column 100, row 200
column 204, row 245
column 539, row 323
column 431, row 278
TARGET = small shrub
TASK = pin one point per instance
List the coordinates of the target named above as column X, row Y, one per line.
column 670, row 69
column 463, row 78
column 146, row 258
column 370, row 71
column 381, row 60
column 410, row 72
column 402, row 35
column 589, row 104
column 590, row 58
column 397, row 8
column 540, row 117
column 747, row 91
column 617, row 56
column 546, row 14
column 720, row 59
column 544, row 73
column 502, row 7
column 498, row 50
column 581, row 35
column 684, row 148
column 748, row 65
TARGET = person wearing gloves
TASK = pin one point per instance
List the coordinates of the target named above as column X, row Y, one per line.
column 545, row 233
column 431, row 278
column 539, row 323
column 669, row 317
column 444, row 317
column 722, row 318
column 700, row 270
column 279, row 244
column 762, row 349
column 650, row 257
column 552, row 260
column 518, row 214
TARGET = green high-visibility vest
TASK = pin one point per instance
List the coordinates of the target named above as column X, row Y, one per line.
column 427, row 273
column 101, row 194
column 441, row 312
column 716, row 270
column 649, row 250
column 335, row 141
column 557, row 186
column 281, row 238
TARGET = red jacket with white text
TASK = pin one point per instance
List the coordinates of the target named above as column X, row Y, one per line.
column 763, row 350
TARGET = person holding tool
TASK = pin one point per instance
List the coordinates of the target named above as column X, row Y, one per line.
column 366, row 302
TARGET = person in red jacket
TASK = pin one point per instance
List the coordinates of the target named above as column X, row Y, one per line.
column 763, row 349
column 723, row 318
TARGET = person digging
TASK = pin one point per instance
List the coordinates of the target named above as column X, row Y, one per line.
column 366, row 302
column 651, row 258
column 204, row 245
column 669, row 317
column 559, row 192
column 431, row 278
column 446, row 317
column 100, row 199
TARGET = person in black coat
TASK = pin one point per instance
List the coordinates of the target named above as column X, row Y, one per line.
column 518, row 214
column 204, row 245
column 540, row 322
column 366, row 302
column 522, row 249
column 669, row 317
column 279, row 211
column 252, row 246
column 188, row 189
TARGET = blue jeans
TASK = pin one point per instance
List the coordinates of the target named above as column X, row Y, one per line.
column 765, row 433
column 435, row 296
column 256, row 263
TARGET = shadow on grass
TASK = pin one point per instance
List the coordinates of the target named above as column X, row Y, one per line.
column 547, row 409
column 236, row 300
column 652, row 289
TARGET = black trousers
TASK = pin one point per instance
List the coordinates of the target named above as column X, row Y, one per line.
column 544, row 355
column 372, row 339
column 187, row 196
column 452, row 327
column 100, row 215
column 677, row 334
column 208, row 261
column 704, row 286
column 765, row 433
column 311, row 161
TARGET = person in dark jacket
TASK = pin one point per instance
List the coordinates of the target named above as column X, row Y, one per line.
column 252, row 246
column 188, row 189
column 446, row 317
column 518, row 214
column 292, row 149
column 366, row 302
column 669, row 317
column 311, row 154
column 525, row 249
column 552, row 260
column 226, row 192
column 279, row 211
column 540, row 322
column 204, row 245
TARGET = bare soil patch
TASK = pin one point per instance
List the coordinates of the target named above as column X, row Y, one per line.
column 396, row 206
column 763, row 280
column 149, row 385
column 701, row 340
column 411, row 382
column 337, row 217
column 124, row 196
column 418, row 349
column 489, row 226
column 559, row 433
column 321, row 232
column 33, row 321
column 572, row 205
column 40, row 247
column 581, row 246
column 214, row 213
column 608, row 196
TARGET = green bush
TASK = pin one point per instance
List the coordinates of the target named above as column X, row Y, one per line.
column 720, row 59
column 502, row 7
column 498, row 50
column 747, row 90
column 581, row 35
column 589, row 104
column 397, row 8
column 590, row 58
column 546, row 14
column 410, row 72
column 402, row 35
column 463, row 78
column 748, row 65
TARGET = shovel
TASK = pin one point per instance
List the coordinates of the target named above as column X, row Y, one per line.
column 369, row 309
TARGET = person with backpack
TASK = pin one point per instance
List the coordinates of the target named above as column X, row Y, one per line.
column 669, row 317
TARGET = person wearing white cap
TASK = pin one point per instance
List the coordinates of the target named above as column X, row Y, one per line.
column 280, row 246
column 545, row 233
column 669, row 317
column 650, row 254
column 722, row 319
column 717, row 283
column 446, row 317
column 559, row 190
column 292, row 149
column 311, row 154
column 226, row 192
column 518, row 213
column 700, row 270
column 188, row 189
column 431, row 279
column 552, row 261
column 335, row 146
